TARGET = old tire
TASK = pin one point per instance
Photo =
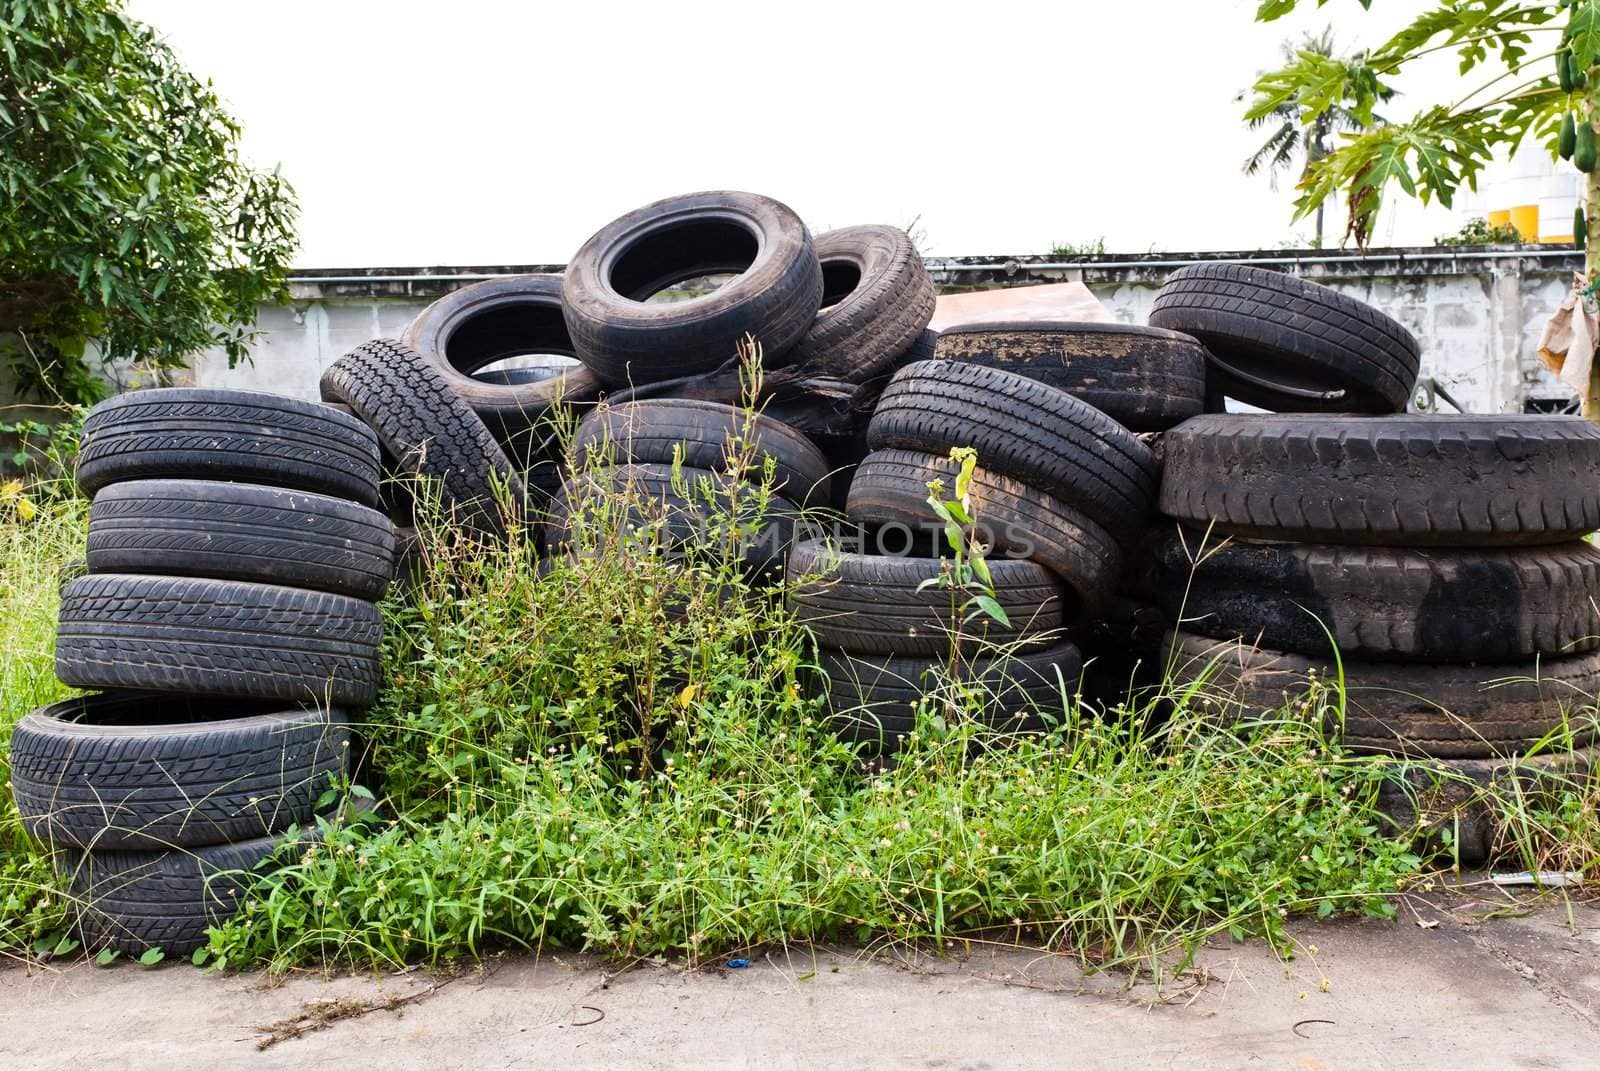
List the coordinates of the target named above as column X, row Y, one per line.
column 1144, row 378
column 650, row 431
column 877, row 299
column 1424, row 481
column 1381, row 603
column 125, row 770
column 217, row 637
column 134, row 901
column 890, row 487
column 236, row 531
column 246, row 436
column 469, row 329
column 873, row 698
column 1431, row 710
column 429, row 431
column 626, row 340
column 870, row 604
column 1025, row 429
column 1275, row 338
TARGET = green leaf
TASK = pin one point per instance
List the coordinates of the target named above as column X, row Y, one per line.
column 152, row 956
column 1583, row 32
column 107, row 957
column 989, row 606
column 66, row 945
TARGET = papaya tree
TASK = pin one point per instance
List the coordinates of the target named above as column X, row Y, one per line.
column 127, row 220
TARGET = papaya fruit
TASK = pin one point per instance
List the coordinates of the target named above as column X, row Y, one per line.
column 1579, row 78
column 1583, row 147
column 1569, row 136
column 1564, row 70
column 1580, row 227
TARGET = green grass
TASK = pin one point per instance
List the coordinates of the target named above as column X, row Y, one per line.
column 622, row 753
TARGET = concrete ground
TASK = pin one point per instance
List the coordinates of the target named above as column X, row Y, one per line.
column 1468, row 978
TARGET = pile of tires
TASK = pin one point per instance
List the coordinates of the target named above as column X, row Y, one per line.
column 1429, row 571
column 225, row 623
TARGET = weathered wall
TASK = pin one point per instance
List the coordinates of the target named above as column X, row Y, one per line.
column 1478, row 312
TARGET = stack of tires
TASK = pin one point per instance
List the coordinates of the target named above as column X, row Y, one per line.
column 226, row 619
column 1060, row 489
column 1431, row 567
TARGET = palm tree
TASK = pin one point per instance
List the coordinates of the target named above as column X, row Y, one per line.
column 1290, row 136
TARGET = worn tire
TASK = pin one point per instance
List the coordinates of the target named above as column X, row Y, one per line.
column 1446, row 800
column 1424, row 481
column 1381, row 603
column 127, row 770
column 427, row 429
column 870, row 604
column 1289, row 333
column 246, row 436
column 237, row 531
column 1024, row 429
column 648, row 494
column 1431, row 710
column 468, row 329
column 874, row 698
column 650, row 431
column 877, row 299
column 1015, row 520
column 138, row 900
column 1144, row 378
column 625, row 339
column 217, row 637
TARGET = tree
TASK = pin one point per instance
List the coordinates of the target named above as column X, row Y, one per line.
column 126, row 217
column 1296, row 133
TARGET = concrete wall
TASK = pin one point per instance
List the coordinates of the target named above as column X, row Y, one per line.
column 1478, row 312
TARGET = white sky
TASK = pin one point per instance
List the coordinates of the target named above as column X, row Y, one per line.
column 482, row 132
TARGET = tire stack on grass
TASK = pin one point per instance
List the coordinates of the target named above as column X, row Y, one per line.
column 227, row 613
column 1059, row 487
column 1433, row 566
column 1148, row 380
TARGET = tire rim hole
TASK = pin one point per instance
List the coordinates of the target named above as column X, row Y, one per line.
column 667, row 258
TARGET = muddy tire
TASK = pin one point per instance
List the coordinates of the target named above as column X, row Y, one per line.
column 877, row 299
column 870, row 604
column 890, row 487
column 874, row 697
column 125, row 770
column 1428, row 710
column 1024, row 429
column 1381, row 603
column 237, row 531
column 650, row 431
column 1277, row 340
column 1423, row 481
column 427, row 429
column 218, row 637
column 246, row 436
column 775, row 296
column 1144, row 378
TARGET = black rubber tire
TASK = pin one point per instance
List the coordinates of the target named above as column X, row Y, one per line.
column 1380, row 603
column 1446, row 800
column 624, row 339
column 129, row 770
column 650, row 495
column 1290, row 333
column 1421, row 481
column 218, row 637
column 239, row 531
column 874, row 698
column 1144, row 378
column 650, row 431
column 1024, row 429
column 870, row 603
column 877, row 299
column 1429, row 710
column 134, row 901
column 428, row 429
column 468, row 329
column 189, row 433
column 1015, row 520
column 925, row 347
